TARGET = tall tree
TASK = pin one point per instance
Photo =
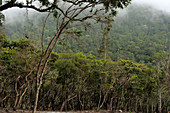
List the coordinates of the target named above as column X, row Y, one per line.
column 162, row 75
column 105, row 45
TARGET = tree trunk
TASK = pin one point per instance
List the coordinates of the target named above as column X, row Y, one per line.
column 159, row 90
column 160, row 101
column 136, row 108
column 141, row 106
column 67, row 100
column 152, row 108
column 147, row 106
column 36, row 97
column 111, row 104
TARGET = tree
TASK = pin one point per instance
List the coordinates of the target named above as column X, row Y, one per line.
column 66, row 11
column 162, row 61
column 18, row 62
column 105, row 46
column 73, row 81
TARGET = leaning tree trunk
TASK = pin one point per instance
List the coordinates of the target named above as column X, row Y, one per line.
column 44, row 61
column 69, row 16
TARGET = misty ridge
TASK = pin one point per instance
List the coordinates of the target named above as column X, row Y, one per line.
column 134, row 24
column 20, row 17
column 139, row 13
column 16, row 15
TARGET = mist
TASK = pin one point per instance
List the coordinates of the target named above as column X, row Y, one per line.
column 158, row 4
column 13, row 15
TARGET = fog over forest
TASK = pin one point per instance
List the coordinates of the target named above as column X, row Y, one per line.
column 13, row 13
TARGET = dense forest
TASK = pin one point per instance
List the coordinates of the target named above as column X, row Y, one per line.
column 121, row 65
column 137, row 33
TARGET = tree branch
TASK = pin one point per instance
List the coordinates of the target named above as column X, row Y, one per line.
column 13, row 4
column 7, row 5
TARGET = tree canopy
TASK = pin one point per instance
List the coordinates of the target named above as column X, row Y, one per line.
column 74, row 81
column 67, row 7
column 51, row 5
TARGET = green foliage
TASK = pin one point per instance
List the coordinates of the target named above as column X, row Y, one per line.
column 87, row 83
column 2, row 18
column 22, row 43
column 73, row 75
column 76, row 32
column 4, row 41
column 134, row 36
column 17, row 65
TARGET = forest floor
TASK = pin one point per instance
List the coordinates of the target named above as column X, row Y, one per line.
column 25, row 111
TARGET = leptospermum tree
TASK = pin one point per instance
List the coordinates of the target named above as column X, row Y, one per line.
column 66, row 12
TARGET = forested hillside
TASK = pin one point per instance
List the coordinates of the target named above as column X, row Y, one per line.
column 124, row 65
column 136, row 34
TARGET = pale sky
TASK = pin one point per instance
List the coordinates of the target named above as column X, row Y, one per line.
column 159, row 4
column 164, row 5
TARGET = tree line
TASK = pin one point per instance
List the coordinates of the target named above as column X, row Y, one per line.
column 74, row 81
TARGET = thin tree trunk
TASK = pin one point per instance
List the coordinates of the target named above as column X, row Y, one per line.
column 141, row 107
column 82, row 105
column 136, row 106
column 111, row 104
column 104, row 99
column 16, row 101
column 105, row 51
column 99, row 100
column 48, row 54
column 36, row 97
column 20, row 98
column 67, row 100
column 152, row 107
column 159, row 90
column 17, row 94
column 147, row 106
column 160, row 101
